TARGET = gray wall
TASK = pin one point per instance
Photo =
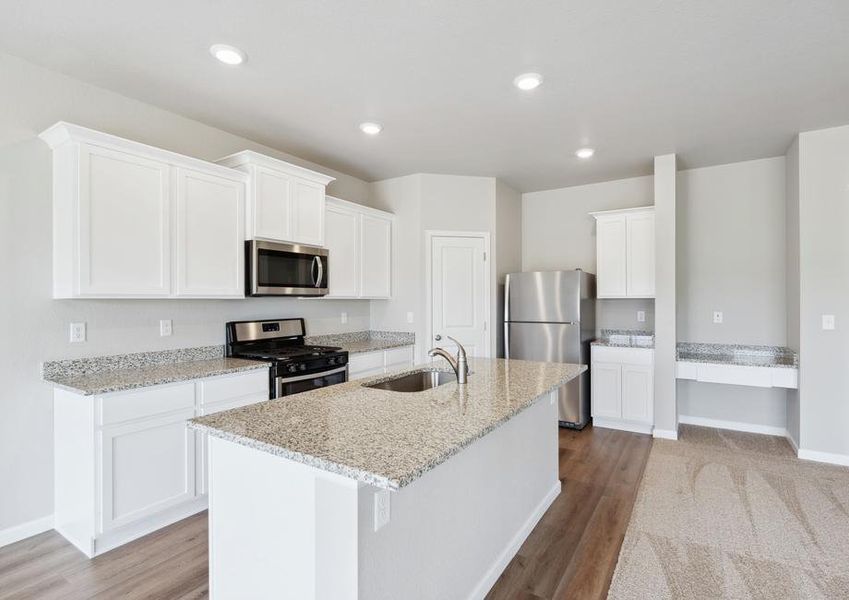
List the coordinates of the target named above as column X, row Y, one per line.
column 824, row 289
column 35, row 327
column 558, row 233
column 731, row 257
column 792, row 263
column 508, row 249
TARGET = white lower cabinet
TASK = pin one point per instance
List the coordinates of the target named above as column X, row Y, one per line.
column 623, row 388
column 126, row 464
column 369, row 364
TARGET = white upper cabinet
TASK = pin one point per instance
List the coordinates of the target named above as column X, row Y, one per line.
column 209, row 235
column 285, row 202
column 625, row 253
column 375, row 254
column 359, row 240
column 134, row 221
column 342, row 227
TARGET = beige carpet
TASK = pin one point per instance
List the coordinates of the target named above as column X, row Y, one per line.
column 729, row 515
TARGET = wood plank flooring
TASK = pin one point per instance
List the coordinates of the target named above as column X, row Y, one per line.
column 570, row 554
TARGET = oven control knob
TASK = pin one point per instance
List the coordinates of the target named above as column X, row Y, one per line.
column 331, row 361
column 302, row 367
column 292, row 368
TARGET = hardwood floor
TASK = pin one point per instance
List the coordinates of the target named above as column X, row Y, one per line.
column 570, row 554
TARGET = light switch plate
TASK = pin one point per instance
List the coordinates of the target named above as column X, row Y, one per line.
column 344, row 318
column 717, row 316
column 828, row 322
column 77, row 332
column 166, row 327
column 641, row 316
column 381, row 509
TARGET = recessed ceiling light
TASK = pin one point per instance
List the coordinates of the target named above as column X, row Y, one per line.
column 229, row 55
column 585, row 153
column 371, row 128
column 528, row 81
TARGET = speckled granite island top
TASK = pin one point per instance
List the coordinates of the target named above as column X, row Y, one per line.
column 364, row 341
column 389, row 439
column 104, row 374
column 738, row 354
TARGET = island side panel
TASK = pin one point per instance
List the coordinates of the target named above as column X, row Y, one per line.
column 453, row 531
column 278, row 529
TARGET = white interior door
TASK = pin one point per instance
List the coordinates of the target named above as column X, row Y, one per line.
column 459, row 296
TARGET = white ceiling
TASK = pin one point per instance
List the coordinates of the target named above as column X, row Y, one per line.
column 715, row 81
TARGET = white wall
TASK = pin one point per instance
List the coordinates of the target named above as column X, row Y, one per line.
column 558, row 233
column 443, row 203
column 35, row 326
column 731, row 257
column 823, row 158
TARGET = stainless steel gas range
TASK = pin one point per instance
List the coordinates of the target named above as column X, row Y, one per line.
column 296, row 367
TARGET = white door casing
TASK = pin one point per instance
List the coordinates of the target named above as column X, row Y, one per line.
column 458, row 291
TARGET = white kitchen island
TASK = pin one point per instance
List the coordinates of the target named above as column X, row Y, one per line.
column 352, row 492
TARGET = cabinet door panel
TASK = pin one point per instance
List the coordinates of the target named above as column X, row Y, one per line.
column 272, row 205
column 640, row 255
column 307, row 213
column 606, row 390
column 342, row 237
column 376, row 249
column 124, row 224
column 612, row 257
column 210, row 235
column 147, row 466
column 637, row 393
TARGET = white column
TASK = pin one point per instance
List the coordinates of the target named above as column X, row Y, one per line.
column 665, row 406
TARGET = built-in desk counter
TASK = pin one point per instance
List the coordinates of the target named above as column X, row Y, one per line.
column 757, row 366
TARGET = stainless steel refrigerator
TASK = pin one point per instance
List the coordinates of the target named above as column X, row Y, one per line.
column 550, row 316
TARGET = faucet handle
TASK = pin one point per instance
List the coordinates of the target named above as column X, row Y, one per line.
column 461, row 352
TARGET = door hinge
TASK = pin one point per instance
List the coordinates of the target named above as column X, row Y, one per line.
column 484, row 325
column 484, row 257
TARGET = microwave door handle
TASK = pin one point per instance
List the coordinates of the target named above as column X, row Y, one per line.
column 312, row 271
column 320, row 278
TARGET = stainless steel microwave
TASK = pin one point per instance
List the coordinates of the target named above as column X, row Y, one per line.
column 275, row 269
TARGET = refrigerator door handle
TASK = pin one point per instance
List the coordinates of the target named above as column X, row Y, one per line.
column 506, row 339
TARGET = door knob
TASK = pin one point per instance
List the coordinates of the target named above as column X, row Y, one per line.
column 438, row 337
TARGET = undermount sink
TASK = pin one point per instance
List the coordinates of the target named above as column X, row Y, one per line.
column 415, row 382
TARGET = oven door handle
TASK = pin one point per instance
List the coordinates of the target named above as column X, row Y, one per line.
column 312, row 375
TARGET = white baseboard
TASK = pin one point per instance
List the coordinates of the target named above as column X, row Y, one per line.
column 665, row 434
column 621, row 425
column 20, row 532
column 824, row 457
column 494, row 572
column 792, row 442
column 733, row 425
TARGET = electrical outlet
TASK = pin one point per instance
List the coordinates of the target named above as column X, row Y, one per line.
column 717, row 316
column 641, row 316
column 409, row 317
column 78, row 332
column 165, row 327
column 344, row 318
column 828, row 323
column 381, row 509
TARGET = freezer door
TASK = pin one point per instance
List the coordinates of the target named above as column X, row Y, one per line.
column 546, row 342
column 544, row 296
column 555, row 342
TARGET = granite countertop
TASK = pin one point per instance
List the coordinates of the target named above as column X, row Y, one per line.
column 625, row 338
column 103, row 374
column 364, row 341
column 127, row 379
column 389, row 439
column 738, row 354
